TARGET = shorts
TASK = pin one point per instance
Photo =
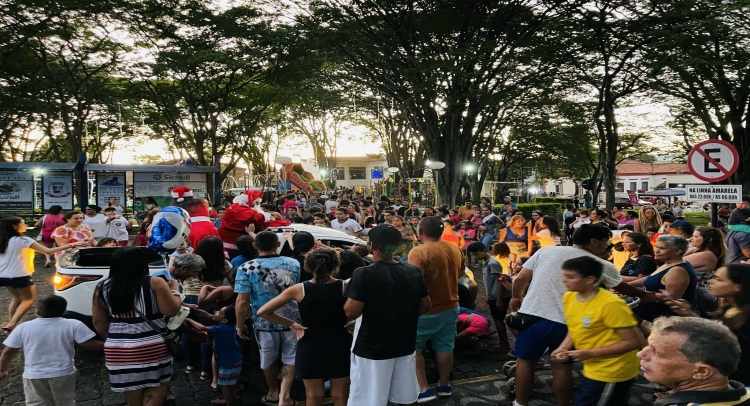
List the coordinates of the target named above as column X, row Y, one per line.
column 498, row 314
column 229, row 376
column 123, row 243
column 593, row 393
column 268, row 345
column 51, row 391
column 533, row 342
column 47, row 239
column 376, row 382
column 17, row 283
column 478, row 324
column 440, row 328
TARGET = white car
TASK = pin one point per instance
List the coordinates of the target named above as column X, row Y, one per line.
column 79, row 271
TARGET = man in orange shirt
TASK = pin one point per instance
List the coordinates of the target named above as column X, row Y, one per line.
column 465, row 211
column 441, row 264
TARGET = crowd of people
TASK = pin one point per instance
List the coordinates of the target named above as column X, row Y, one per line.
column 596, row 287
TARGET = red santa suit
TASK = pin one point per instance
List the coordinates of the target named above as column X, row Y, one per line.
column 202, row 226
column 240, row 214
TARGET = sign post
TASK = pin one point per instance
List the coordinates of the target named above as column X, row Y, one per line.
column 57, row 189
column 714, row 161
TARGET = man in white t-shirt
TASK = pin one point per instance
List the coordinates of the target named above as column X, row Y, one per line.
column 49, row 373
column 116, row 226
column 345, row 224
column 543, row 277
column 96, row 221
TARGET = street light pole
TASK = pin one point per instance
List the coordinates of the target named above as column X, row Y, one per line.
column 435, row 166
column 283, row 161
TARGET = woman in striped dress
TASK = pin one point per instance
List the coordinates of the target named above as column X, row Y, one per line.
column 136, row 356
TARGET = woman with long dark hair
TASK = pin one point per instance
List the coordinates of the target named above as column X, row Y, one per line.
column 17, row 265
column 709, row 250
column 549, row 232
column 640, row 261
column 211, row 249
column 136, row 356
column 302, row 243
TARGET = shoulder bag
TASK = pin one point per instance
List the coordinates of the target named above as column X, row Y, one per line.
column 171, row 338
column 521, row 321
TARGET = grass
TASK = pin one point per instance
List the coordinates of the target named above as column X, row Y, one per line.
column 698, row 218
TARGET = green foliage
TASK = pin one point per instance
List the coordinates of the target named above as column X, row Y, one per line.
column 562, row 201
column 549, row 209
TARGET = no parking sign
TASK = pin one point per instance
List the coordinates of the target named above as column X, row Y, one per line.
column 713, row 160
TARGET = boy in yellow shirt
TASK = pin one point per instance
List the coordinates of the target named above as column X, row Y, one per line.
column 604, row 333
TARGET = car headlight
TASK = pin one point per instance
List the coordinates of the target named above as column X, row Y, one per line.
column 62, row 282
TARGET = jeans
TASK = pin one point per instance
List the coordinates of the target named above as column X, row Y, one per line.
column 487, row 239
column 190, row 348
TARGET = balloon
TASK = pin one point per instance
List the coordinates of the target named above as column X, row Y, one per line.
column 170, row 229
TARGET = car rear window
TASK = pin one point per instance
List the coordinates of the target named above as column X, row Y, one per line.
column 100, row 257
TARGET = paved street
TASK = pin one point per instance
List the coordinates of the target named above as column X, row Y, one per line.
column 477, row 380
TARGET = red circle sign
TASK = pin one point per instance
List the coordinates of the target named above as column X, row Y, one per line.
column 713, row 160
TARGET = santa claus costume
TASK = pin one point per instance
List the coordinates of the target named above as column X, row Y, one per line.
column 202, row 226
column 245, row 210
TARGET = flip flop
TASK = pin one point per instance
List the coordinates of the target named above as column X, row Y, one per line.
column 268, row 402
column 218, row 402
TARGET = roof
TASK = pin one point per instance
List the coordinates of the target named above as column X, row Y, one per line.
column 47, row 166
column 359, row 159
column 154, row 168
column 322, row 233
column 629, row 167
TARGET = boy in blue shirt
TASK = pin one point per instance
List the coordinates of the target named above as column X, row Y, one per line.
column 227, row 353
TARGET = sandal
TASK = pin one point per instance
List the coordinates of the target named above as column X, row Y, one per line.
column 266, row 401
column 205, row 376
column 190, row 369
column 218, row 402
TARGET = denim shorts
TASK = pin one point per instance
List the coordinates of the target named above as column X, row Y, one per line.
column 440, row 328
column 17, row 283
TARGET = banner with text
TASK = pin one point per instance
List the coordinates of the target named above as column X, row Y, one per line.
column 110, row 184
column 160, row 185
column 57, row 189
column 714, row 193
column 16, row 191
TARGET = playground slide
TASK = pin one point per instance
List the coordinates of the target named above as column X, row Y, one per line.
column 301, row 179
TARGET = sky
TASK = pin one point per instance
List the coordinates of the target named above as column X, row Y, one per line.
column 650, row 118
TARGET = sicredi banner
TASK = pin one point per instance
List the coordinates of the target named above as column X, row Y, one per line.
column 16, row 190
column 160, row 185
column 110, row 184
column 57, row 189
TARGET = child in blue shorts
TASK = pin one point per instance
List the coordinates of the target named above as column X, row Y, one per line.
column 227, row 353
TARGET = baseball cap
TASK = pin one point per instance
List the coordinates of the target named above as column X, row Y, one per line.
column 385, row 235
